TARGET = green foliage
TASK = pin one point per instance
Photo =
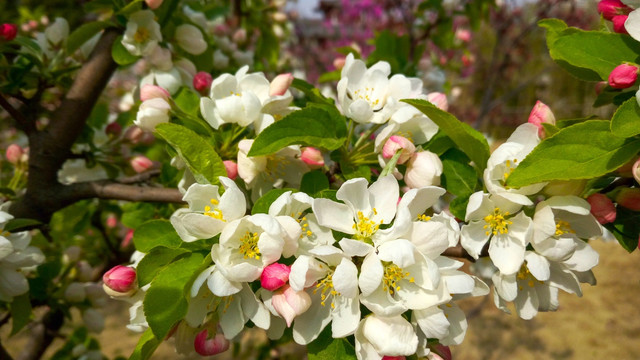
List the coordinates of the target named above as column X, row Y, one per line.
column 470, row 141
column 626, row 228
column 83, row 33
column 16, row 225
column 582, row 151
column 312, row 126
column 197, row 153
column 188, row 101
column 326, row 347
column 439, row 143
column 135, row 214
column 393, row 49
column 350, row 171
column 262, row 205
column 311, row 92
column 165, row 302
column 121, row 55
column 314, row 182
column 20, row 312
column 156, row 233
column 589, row 55
column 154, row 261
column 147, row 344
column 458, row 177
column 626, row 120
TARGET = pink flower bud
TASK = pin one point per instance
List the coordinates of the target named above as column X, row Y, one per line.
column 112, row 221
column 8, row 31
column 443, row 352
column 127, row 239
column 395, row 143
column 618, row 24
column 290, row 303
column 463, row 35
column 213, row 346
column 312, row 157
column 202, row 82
column 133, row 134
column 153, row 4
column 280, row 84
column 602, row 208
column 540, row 114
column 14, row 153
column 338, row 63
column 636, row 170
column 629, row 198
column 623, row 76
column 149, row 91
column 240, row 36
column 140, row 163
column 610, row 8
column 120, row 279
column 438, row 99
column 274, row 276
column 424, row 169
column 114, row 129
column 232, row 169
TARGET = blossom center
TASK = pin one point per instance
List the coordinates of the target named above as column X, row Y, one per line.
column 392, row 276
column 365, row 227
column 366, row 94
column 510, row 165
column 525, row 274
column 497, row 222
column 249, row 245
column 326, row 289
column 141, row 35
column 424, row 217
column 563, row 227
column 214, row 212
column 304, row 224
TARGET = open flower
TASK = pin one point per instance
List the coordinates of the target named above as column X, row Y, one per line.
column 142, row 34
column 190, row 39
column 208, row 212
column 379, row 336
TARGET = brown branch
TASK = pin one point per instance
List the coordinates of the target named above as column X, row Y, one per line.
column 458, row 252
column 42, row 335
column 21, row 121
column 140, row 178
column 116, row 191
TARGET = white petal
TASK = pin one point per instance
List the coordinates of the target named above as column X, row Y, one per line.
column 346, row 317
column 354, row 194
column 220, row 286
column 506, row 286
column 527, row 303
column 391, row 336
column 334, row 215
column 354, row 247
column 345, row 279
column 432, row 322
column 506, row 254
column 310, row 324
column 538, row 266
column 384, row 195
column 473, row 238
column 418, row 200
column 371, row 273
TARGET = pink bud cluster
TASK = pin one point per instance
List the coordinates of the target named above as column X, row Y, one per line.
column 202, row 82
column 616, row 12
column 602, row 208
column 287, row 302
column 8, row 32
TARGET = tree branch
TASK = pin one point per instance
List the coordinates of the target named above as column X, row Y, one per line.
column 458, row 252
column 115, row 191
column 22, row 122
column 42, row 335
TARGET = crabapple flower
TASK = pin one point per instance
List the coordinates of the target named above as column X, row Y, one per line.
column 142, row 34
column 190, row 39
column 312, row 157
column 395, row 143
column 619, row 24
column 232, row 169
column 213, row 346
column 120, row 279
column 202, row 81
column 8, row 31
column 280, row 84
column 151, row 113
column 290, row 303
column 57, row 32
column 208, row 212
column 75, row 292
column 379, row 336
column 631, row 23
column 220, row 60
column 540, row 114
column 623, row 76
column 274, row 276
column 423, row 169
column 149, row 91
column 492, row 218
column 505, row 159
column 602, row 208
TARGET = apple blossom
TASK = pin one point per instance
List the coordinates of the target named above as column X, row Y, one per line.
column 208, row 347
column 290, row 303
column 423, row 169
column 635, row 170
column 140, row 163
column 312, row 157
column 623, row 76
column 151, row 113
column 190, row 39
column 231, row 168
column 619, row 24
column 274, row 276
column 153, row 4
column 280, row 84
column 385, row 336
column 438, row 99
column 631, row 24
column 202, row 82
column 396, row 143
column 14, row 153
column 540, row 114
column 611, row 8
column 602, row 208
column 120, row 279
column 142, row 34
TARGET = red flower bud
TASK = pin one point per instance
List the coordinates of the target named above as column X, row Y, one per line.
column 623, row 76
column 120, row 279
column 274, row 276
column 202, row 82
column 232, row 169
column 602, row 208
column 312, row 157
column 208, row 347
column 610, row 8
column 629, row 198
column 113, row 129
column 618, row 24
column 8, row 31
column 140, row 163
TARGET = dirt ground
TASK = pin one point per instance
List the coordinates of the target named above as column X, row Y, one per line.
column 603, row 324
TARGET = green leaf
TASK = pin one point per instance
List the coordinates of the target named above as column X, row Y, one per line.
column 329, row 76
column 581, row 151
column 188, row 101
column 391, row 48
column 20, row 312
column 15, row 225
column 147, row 344
column 83, row 33
column 470, row 141
column 327, row 348
column 156, row 233
column 350, row 171
column 131, row 7
column 314, row 182
column 135, row 214
column 197, row 153
column 458, row 207
column 550, row 129
column 262, row 205
column 121, row 55
column 155, row 260
column 626, row 228
column 458, row 177
column 312, row 126
column 626, row 120
column 327, row 194
column 439, row 143
column 165, row 303
column 554, row 28
column 312, row 93
column 594, row 53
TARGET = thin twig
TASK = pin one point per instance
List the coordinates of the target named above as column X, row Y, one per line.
column 22, row 122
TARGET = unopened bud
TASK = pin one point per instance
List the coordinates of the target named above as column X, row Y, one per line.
column 232, row 169
column 629, row 198
column 602, row 208
column 618, row 24
column 338, row 63
column 14, row 153
column 599, row 87
column 202, row 82
column 72, row 253
column 424, row 169
column 190, row 39
column 140, row 163
column 8, row 32
column 312, row 157
column 275, row 276
column 623, row 76
column 610, row 8
column 128, row 237
column 112, row 221
column 395, row 143
column 208, row 347
column 438, row 99
column 540, row 114
column 75, row 292
column 280, row 84
column 240, row 36
column 114, row 129
column 279, row 16
column 149, row 91
column 442, row 352
column 153, row 4
column 636, row 171
column 121, row 279
column 290, row 303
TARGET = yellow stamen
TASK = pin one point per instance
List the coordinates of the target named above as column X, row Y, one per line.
column 249, row 247
column 141, row 35
column 364, row 227
column 392, row 276
column 497, row 222
column 563, row 227
column 213, row 211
